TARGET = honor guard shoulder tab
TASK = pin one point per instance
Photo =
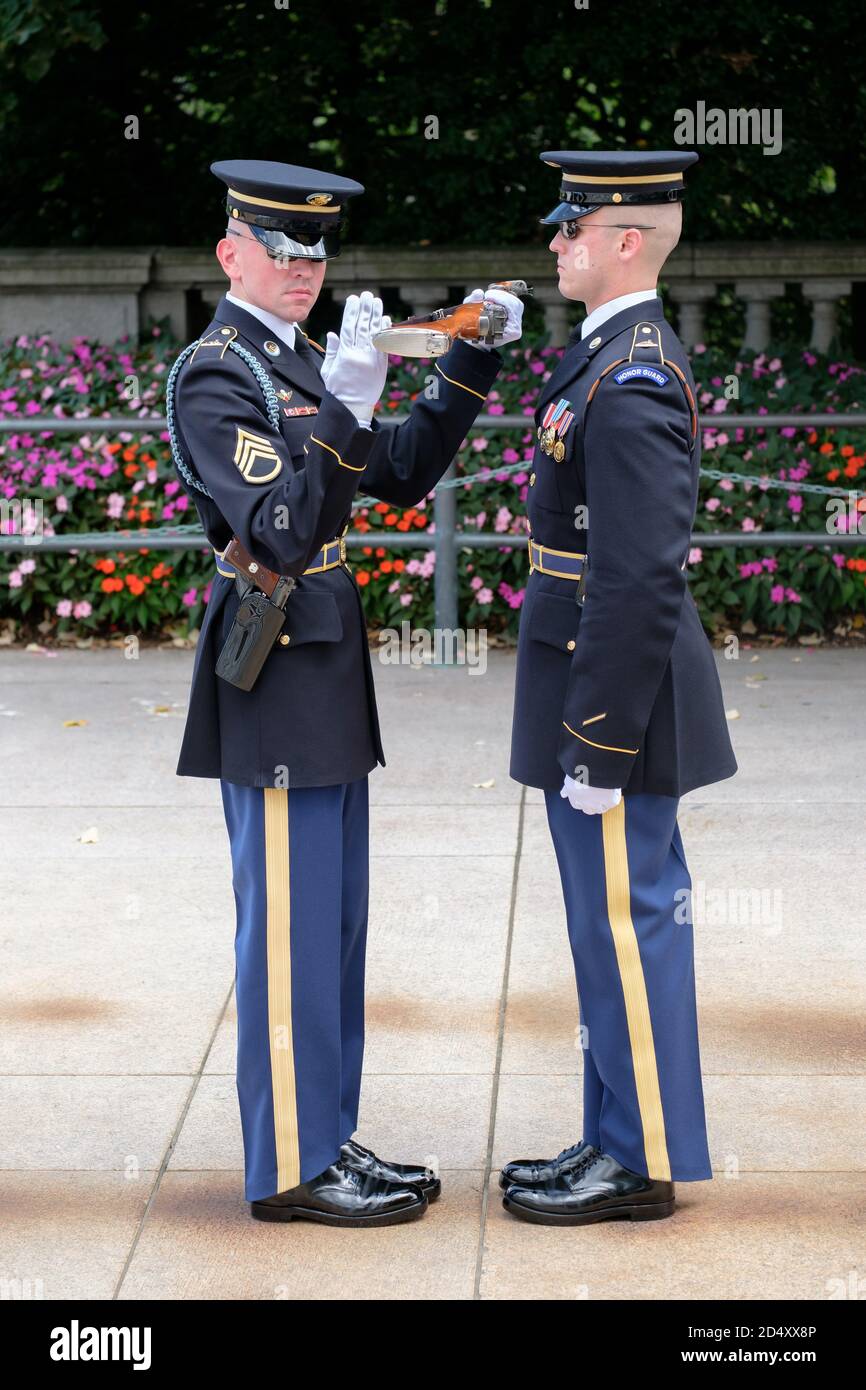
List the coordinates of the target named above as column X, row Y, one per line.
column 646, row 362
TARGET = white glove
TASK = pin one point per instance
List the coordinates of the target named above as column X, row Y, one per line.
column 354, row 370
column 592, row 800
column 514, row 322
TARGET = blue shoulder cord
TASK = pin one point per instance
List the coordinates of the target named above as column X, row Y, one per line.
column 184, row 466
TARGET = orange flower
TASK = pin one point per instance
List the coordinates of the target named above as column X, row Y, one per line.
column 130, row 470
column 421, row 519
column 813, row 438
column 381, row 507
column 107, row 566
column 380, row 551
column 112, row 448
column 386, row 566
column 826, row 449
column 390, row 518
column 376, row 574
column 110, row 586
column 135, row 585
column 363, row 577
column 852, row 468
column 832, row 475
column 130, row 452
column 847, row 450
column 403, row 525
column 145, row 515
column 399, row 566
column 366, row 549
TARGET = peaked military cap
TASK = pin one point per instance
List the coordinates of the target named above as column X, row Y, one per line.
column 594, row 178
column 293, row 211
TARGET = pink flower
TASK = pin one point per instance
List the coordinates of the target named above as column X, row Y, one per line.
column 64, row 608
column 795, row 502
column 712, row 504
column 695, row 555
column 189, row 597
column 476, row 583
column 27, row 566
column 405, row 598
column 480, row 444
column 792, row 595
column 503, row 517
column 82, row 609
column 14, row 579
column 838, row 560
column 485, row 596
column 748, row 523
column 770, row 564
column 777, row 593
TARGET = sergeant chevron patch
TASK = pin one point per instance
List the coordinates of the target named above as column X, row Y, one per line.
column 249, row 450
column 650, row 373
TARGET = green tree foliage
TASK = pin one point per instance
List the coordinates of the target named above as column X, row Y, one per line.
column 354, row 88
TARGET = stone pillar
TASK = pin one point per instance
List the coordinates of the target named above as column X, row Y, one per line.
column 824, row 296
column 558, row 313
column 690, row 299
column 758, row 294
column 423, row 297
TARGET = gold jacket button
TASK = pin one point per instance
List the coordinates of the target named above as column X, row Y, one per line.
column 285, row 639
column 531, row 479
column 571, row 645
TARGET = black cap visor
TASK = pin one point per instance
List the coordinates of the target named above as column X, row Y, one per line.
column 301, row 241
column 567, row 212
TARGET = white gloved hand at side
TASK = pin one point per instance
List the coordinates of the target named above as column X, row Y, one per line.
column 592, row 800
column 354, row 369
column 514, row 322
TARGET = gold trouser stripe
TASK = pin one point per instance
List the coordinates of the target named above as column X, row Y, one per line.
column 286, row 207
column 280, row 988
column 609, row 746
column 322, row 445
column 470, row 389
column 619, row 178
column 631, row 974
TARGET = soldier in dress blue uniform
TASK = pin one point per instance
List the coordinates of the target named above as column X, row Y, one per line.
column 618, row 707
column 272, row 436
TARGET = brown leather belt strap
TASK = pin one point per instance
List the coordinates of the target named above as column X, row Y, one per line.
column 332, row 554
column 265, row 579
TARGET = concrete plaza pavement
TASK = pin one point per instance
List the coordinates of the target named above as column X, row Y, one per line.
column 121, row 1142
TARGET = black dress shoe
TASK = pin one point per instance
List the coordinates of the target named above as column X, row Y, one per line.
column 365, row 1161
column 599, row 1189
column 341, row 1196
column 525, row 1172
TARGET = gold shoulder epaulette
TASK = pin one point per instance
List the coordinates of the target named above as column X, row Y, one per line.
column 222, row 340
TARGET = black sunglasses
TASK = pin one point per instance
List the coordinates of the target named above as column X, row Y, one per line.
column 571, row 226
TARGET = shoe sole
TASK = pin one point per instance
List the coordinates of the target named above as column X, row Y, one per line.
column 433, row 1192
column 647, row 1211
column 325, row 1218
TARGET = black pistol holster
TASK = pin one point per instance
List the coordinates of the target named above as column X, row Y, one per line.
column 257, row 625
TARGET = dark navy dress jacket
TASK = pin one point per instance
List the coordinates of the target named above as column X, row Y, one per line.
column 623, row 691
column 310, row 720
